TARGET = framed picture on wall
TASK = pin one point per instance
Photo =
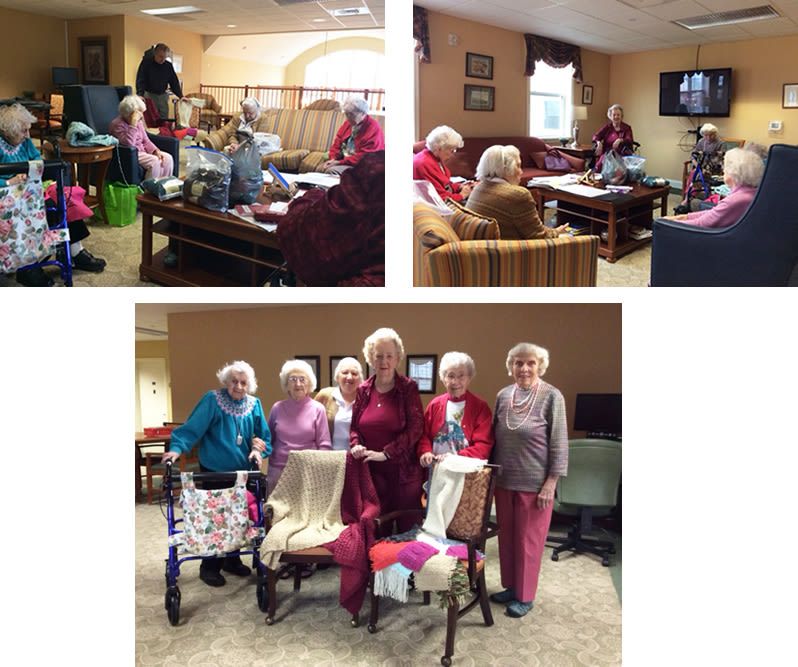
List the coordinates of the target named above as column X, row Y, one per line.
column 315, row 362
column 94, row 60
column 334, row 359
column 479, row 66
column 479, row 98
column 790, row 97
column 587, row 94
column 423, row 368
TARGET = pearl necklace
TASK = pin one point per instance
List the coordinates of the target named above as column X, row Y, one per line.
column 525, row 406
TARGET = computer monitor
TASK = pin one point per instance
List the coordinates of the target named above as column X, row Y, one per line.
column 600, row 415
column 65, row 76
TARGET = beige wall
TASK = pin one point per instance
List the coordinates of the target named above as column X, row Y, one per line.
column 584, row 342
column 295, row 70
column 631, row 80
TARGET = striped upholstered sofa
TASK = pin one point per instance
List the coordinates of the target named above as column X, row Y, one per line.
column 305, row 134
column 464, row 250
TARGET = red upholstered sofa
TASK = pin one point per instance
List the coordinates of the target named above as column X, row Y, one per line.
column 533, row 151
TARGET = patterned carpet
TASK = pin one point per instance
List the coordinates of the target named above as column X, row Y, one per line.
column 576, row 619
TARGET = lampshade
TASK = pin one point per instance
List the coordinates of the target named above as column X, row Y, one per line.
column 580, row 113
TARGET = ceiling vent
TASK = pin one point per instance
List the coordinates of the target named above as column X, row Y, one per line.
column 284, row 3
column 728, row 18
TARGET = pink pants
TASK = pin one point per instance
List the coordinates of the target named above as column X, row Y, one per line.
column 153, row 166
column 522, row 536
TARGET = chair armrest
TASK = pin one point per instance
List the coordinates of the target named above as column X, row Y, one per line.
column 169, row 145
column 125, row 158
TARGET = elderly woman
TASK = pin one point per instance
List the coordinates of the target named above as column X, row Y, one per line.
column 615, row 135
column 17, row 146
column 430, row 163
column 387, row 421
column 128, row 127
column 250, row 120
column 360, row 134
column 297, row 422
column 338, row 400
column 532, row 449
column 742, row 172
column 499, row 195
column 229, row 425
column 457, row 422
column 708, row 152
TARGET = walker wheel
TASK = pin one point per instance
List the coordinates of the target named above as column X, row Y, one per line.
column 172, row 604
column 263, row 596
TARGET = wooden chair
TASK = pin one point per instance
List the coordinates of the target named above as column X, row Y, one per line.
column 51, row 122
column 153, row 467
column 470, row 525
column 209, row 114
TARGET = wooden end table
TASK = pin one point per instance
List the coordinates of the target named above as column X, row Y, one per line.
column 81, row 157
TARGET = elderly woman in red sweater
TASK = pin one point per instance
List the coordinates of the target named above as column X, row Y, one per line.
column 430, row 164
column 457, row 422
column 387, row 421
column 360, row 134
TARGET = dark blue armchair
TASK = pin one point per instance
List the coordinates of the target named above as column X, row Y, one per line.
column 97, row 106
column 760, row 249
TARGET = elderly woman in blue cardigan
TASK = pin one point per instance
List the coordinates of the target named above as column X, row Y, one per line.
column 231, row 429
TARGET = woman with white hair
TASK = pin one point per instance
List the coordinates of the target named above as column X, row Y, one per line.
column 429, row 164
column 338, row 400
column 250, row 120
column 708, row 152
column 615, row 135
column 387, row 421
column 129, row 128
column 742, row 172
column 359, row 134
column 499, row 195
column 457, row 422
column 532, row 449
column 297, row 422
column 230, row 427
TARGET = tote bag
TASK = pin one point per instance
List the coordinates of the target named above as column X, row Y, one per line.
column 120, row 203
column 215, row 521
column 24, row 235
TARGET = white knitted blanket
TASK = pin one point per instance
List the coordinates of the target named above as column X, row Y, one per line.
column 306, row 504
column 446, row 487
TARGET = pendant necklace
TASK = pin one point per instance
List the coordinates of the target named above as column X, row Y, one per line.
column 239, row 439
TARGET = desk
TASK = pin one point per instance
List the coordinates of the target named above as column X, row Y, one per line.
column 80, row 157
column 142, row 439
column 614, row 216
column 213, row 248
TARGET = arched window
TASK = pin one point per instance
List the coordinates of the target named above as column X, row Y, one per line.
column 346, row 69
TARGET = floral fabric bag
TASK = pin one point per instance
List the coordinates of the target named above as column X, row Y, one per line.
column 25, row 237
column 215, row 521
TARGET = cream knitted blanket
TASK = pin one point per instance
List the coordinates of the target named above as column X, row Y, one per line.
column 306, row 504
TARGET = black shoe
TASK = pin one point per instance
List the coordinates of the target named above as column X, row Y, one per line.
column 85, row 261
column 34, row 277
column 211, row 577
column 235, row 566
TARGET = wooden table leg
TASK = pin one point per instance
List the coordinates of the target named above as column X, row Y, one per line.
column 102, row 169
column 146, row 244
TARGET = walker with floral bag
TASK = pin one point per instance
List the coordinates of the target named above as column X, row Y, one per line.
column 215, row 523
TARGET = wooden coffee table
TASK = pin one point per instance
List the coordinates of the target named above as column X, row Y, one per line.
column 214, row 249
column 81, row 158
column 614, row 215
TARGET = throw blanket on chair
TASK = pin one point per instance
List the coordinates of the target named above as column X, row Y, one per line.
column 306, row 504
column 446, row 488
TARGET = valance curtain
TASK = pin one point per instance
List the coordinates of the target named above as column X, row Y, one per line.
column 553, row 53
column 421, row 33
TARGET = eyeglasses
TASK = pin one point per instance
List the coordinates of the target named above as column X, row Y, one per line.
column 298, row 378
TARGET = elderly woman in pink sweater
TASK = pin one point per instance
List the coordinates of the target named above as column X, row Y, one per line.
column 129, row 129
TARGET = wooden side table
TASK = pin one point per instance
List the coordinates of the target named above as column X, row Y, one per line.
column 80, row 157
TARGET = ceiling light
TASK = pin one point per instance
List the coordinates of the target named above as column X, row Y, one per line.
column 352, row 11
column 728, row 18
column 172, row 10
column 231, row 25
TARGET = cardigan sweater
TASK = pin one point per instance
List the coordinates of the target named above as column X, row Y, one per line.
column 368, row 138
column 513, row 208
column 427, row 167
column 331, row 398
column 132, row 135
column 477, row 426
column 728, row 211
column 535, row 444
column 216, row 422
column 402, row 447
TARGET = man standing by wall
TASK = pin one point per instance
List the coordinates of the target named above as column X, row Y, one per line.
column 154, row 74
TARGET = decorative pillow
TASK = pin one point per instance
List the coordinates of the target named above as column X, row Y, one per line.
column 471, row 226
column 432, row 230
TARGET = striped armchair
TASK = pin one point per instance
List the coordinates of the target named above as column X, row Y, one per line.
column 466, row 251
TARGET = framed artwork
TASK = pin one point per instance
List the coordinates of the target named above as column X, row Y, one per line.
column 423, row 368
column 587, row 94
column 790, row 97
column 479, row 98
column 478, row 66
column 334, row 359
column 315, row 362
column 94, row 60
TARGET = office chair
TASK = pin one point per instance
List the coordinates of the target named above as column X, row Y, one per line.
column 590, row 489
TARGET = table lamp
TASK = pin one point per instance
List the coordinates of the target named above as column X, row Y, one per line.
column 580, row 113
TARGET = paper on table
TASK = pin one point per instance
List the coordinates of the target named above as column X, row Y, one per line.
column 311, row 177
column 583, row 190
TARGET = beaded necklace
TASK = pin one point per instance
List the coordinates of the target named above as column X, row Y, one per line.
column 525, row 406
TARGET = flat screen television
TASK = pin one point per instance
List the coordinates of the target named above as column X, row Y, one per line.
column 65, row 76
column 703, row 92
column 598, row 414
